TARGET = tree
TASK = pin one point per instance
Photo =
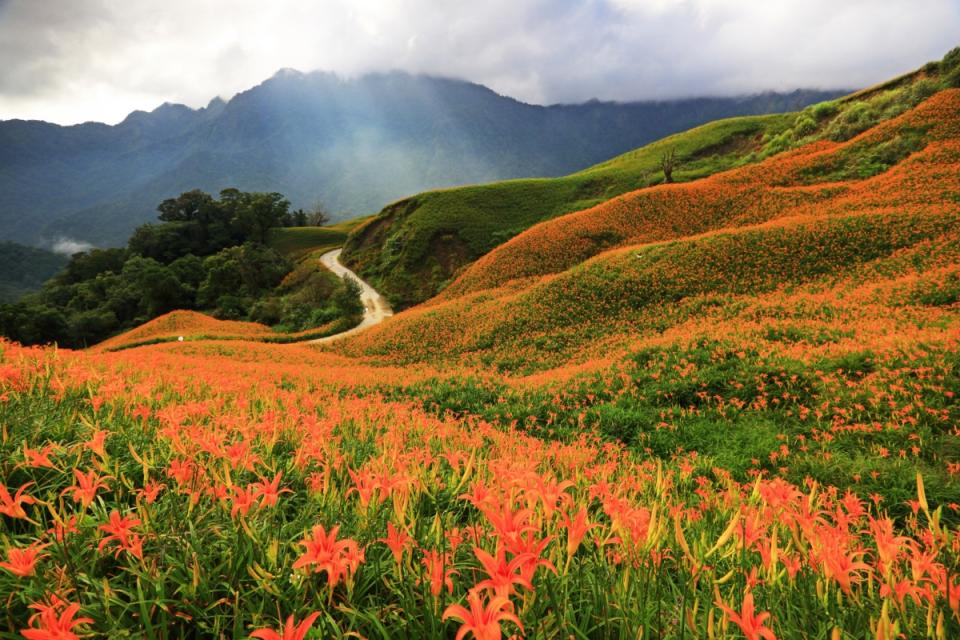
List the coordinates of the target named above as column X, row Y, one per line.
column 318, row 215
column 90, row 327
column 160, row 290
column 169, row 241
column 34, row 323
column 189, row 271
column 240, row 273
column 299, row 218
column 347, row 298
column 668, row 162
column 204, row 252
column 257, row 213
column 188, row 206
column 89, row 264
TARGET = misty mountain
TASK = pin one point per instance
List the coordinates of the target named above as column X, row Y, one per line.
column 354, row 144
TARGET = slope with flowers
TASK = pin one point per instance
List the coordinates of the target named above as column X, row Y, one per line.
column 773, row 225
column 189, row 324
column 179, row 326
column 736, row 419
column 809, row 181
column 414, row 248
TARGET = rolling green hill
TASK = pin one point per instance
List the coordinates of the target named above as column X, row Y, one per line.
column 416, row 246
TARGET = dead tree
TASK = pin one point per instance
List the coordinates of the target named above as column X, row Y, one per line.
column 668, row 162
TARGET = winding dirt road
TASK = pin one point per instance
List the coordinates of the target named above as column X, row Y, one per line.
column 376, row 309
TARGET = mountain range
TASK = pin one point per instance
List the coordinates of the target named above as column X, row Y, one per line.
column 352, row 144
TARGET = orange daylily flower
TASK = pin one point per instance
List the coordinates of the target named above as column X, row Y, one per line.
column 40, row 459
column 750, row 623
column 502, row 574
column 23, row 562
column 120, row 530
column 56, row 621
column 85, row 490
column 291, row 629
column 482, row 620
column 397, row 540
column 13, row 505
column 269, row 492
column 323, row 552
column 577, row 527
column 439, row 570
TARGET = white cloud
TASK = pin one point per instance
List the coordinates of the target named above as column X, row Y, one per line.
column 73, row 60
column 68, row 246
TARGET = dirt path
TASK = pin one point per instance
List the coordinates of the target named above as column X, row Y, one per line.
column 376, row 309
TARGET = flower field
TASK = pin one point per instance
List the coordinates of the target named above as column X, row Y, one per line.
column 142, row 500
column 722, row 409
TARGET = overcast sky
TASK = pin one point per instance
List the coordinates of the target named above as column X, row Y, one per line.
column 70, row 61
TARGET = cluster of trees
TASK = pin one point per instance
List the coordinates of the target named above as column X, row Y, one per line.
column 205, row 253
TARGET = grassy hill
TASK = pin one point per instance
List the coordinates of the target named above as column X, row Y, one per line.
column 191, row 326
column 413, row 247
column 416, row 246
column 810, row 179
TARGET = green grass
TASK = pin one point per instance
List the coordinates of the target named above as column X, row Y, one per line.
column 295, row 242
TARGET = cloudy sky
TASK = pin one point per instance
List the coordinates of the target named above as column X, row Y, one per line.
column 69, row 61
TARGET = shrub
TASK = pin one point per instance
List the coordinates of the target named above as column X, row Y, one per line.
column 823, row 110
column 951, row 60
column 347, row 299
column 953, row 78
column 854, row 120
column 268, row 311
column 804, row 125
column 779, row 143
column 921, row 90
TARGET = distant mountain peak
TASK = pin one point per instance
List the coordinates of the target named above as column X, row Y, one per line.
column 171, row 107
column 353, row 142
column 288, row 72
